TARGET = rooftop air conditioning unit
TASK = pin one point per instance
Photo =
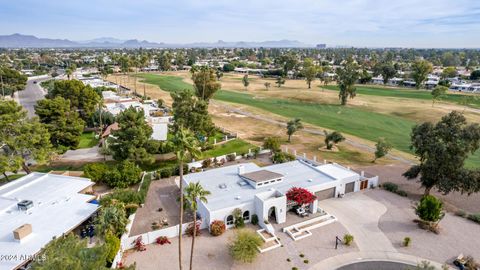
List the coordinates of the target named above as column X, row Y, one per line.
column 25, row 205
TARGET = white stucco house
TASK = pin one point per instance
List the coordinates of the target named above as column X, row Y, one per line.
column 262, row 190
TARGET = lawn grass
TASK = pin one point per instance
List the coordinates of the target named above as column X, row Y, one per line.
column 237, row 145
column 88, row 140
column 407, row 93
column 357, row 122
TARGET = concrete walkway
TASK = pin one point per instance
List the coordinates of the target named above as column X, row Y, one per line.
column 85, row 154
column 360, row 214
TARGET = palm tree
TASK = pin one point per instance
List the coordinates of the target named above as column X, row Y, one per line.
column 293, row 126
column 194, row 193
column 185, row 143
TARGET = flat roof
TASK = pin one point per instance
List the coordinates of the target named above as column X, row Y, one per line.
column 261, row 175
column 58, row 207
column 228, row 189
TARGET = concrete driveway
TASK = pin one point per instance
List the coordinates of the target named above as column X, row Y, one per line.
column 360, row 214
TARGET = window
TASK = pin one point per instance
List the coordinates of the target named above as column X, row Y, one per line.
column 259, row 184
column 246, row 215
column 230, row 220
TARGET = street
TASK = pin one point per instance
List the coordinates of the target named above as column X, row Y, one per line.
column 32, row 93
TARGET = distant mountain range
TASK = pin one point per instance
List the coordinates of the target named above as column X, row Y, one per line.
column 28, row 41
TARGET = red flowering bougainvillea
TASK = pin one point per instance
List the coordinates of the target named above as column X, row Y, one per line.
column 300, row 196
column 162, row 240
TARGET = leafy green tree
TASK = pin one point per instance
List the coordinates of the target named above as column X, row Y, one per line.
column 192, row 113
column 185, row 144
column 280, row 81
column 365, row 77
column 64, row 125
column 332, row 139
column 21, row 138
column 205, row 83
column 287, row 61
column 112, row 219
column 442, row 149
column 272, row 143
column 195, row 193
column 11, row 81
column 83, row 98
column 293, row 126
column 244, row 246
column 228, row 67
column 347, row 77
column 165, row 61
column 475, row 75
column 420, row 71
column 245, row 81
column 310, row 71
column 449, row 72
column 382, row 147
column 131, row 140
column 438, row 92
column 388, row 71
column 429, row 209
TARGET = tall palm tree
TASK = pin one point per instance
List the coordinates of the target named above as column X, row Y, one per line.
column 195, row 193
column 185, row 143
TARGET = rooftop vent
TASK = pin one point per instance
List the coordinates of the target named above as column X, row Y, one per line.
column 242, row 183
column 25, row 205
column 22, row 231
column 237, row 197
column 222, row 186
column 310, row 180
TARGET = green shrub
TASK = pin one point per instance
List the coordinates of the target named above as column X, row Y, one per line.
column 402, row 193
column 294, row 268
column 113, row 244
column 407, row 241
column 429, row 209
column 127, row 196
column 461, row 213
column 301, row 255
column 388, row 186
column 95, row 171
column 348, row 239
column 217, row 228
column 244, row 246
column 281, row 157
column 288, row 260
column 122, row 175
column 147, row 180
column 305, row 261
column 254, row 219
column 238, row 217
column 272, row 143
column 474, row 217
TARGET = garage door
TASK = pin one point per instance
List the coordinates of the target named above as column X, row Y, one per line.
column 325, row 194
column 349, row 187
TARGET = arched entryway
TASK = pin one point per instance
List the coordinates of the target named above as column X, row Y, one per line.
column 272, row 214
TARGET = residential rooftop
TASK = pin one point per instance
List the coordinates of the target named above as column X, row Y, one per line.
column 229, row 189
column 58, row 207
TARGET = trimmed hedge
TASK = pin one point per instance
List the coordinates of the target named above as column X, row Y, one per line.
column 392, row 187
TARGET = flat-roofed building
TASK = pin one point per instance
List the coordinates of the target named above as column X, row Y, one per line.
column 262, row 190
column 38, row 207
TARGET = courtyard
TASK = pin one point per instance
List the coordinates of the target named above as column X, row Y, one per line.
column 379, row 221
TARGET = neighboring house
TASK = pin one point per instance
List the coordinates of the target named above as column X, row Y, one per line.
column 38, row 207
column 261, row 190
column 465, row 87
column 153, row 115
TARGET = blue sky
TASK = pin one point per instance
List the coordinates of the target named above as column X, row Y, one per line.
column 374, row 23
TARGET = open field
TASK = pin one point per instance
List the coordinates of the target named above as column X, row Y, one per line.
column 368, row 117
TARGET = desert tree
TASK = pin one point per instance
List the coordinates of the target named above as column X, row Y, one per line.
column 420, row 71
column 442, row 150
column 332, row 139
column 382, row 147
column 245, row 81
column 347, row 77
column 438, row 92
